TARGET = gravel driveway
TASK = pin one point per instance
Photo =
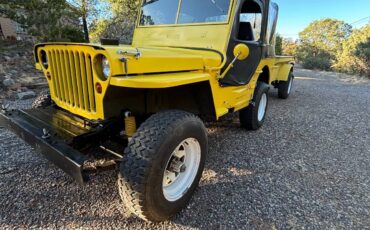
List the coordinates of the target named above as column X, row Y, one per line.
column 308, row 167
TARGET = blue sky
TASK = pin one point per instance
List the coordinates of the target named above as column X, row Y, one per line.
column 295, row 15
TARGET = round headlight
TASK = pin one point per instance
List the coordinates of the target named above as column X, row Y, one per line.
column 44, row 59
column 105, row 67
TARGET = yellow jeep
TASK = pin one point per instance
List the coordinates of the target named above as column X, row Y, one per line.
column 141, row 106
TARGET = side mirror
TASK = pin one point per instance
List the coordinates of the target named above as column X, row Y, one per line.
column 241, row 52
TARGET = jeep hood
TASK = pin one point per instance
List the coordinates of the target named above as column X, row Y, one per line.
column 149, row 60
column 152, row 60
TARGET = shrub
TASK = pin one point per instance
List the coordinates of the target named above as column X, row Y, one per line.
column 363, row 54
column 72, row 34
column 321, row 41
column 355, row 56
column 321, row 62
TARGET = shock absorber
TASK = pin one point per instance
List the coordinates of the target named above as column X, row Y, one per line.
column 130, row 124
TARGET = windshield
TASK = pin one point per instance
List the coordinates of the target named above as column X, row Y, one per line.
column 165, row 12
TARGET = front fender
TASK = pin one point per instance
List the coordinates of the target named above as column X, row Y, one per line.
column 159, row 81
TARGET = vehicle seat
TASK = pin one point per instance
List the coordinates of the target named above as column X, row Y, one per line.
column 246, row 31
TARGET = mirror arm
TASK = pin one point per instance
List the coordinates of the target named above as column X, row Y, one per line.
column 231, row 65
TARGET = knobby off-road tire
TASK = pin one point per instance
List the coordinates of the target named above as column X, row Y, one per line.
column 148, row 156
column 253, row 116
column 285, row 87
column 43, row 100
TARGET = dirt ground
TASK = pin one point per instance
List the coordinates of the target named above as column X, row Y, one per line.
column 308, row 167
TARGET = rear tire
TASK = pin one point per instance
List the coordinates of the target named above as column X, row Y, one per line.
column 285, row 87
column 253, row 116
column 153, row 156
column 43, row 100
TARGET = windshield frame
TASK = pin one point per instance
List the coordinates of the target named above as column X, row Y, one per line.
column 183, row 24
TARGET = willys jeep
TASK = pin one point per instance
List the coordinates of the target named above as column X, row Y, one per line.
column 141, row 106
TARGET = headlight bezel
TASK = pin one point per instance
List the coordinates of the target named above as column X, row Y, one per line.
column 106, row 70
column 103, row 67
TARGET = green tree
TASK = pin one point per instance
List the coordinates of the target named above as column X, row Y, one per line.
column 363, row 53
column 87, row 10
column 289, row 47
column 321, row 42
column 128, row 8
column 355, row 58
column 119, row 23
column 48, row 20
column 279, row 45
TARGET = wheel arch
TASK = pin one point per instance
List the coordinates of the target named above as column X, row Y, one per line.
column 195, row 98
column 265, row 75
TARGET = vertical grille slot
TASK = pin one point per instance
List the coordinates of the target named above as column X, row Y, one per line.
column 68, row 77
column 90, row 82
column 59, row 76
column 79, row 80
column 73, row 79
column 63, row 76
column 51, row 56
column 84, row 82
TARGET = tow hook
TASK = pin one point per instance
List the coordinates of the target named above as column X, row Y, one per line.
column 46, row 134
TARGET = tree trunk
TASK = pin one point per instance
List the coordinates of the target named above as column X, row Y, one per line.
column 86, row 30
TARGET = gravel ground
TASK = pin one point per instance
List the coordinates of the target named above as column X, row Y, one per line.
column 308, row 167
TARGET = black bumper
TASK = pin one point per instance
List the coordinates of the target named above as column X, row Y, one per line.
column 29, row 125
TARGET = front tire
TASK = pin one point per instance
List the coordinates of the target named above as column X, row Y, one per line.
column 163, row 164
column 253, row 116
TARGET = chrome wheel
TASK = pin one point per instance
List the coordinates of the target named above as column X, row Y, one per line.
column 262, row 107
column 181, row 169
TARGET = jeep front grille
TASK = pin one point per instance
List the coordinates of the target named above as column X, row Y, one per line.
column 73, row 80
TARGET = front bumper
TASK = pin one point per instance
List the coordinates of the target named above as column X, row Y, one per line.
column 29, row 125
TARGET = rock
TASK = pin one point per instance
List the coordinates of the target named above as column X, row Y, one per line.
column 14, row 72
column 2, row 71
column 8, row 82
column 15, row 87
column 26, row 95
column 7, row 58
